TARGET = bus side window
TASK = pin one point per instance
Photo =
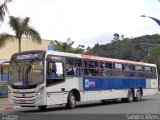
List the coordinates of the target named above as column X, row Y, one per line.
column 55, row 73
column 74, row 67
column 51, row 72
column 69, row 70
column 59, row 69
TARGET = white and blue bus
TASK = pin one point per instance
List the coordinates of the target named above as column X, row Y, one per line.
column 77, row 78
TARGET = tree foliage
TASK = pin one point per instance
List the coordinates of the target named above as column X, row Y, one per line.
column 154, row 56
column 5, row 38
column 21, row 28
column 135, row 49
column 67, row 47
column 4, row 9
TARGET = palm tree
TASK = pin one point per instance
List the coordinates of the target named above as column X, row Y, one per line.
column 4, row 9
column 21, row 28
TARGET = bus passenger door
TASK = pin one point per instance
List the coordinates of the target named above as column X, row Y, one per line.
column 55, row 82
column 54, row 73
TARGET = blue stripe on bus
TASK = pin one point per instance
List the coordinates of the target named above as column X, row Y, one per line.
column 112, row 83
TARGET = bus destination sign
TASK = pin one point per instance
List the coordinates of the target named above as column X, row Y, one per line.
column 27, row 56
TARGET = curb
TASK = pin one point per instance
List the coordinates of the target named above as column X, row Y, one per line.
column 9, row 108
column 4, row 99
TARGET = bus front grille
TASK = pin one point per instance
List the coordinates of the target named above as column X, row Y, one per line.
column 24, row 94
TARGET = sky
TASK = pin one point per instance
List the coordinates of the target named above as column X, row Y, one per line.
column 86, row 22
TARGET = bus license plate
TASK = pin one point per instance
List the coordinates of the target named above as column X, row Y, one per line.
column 23, row 101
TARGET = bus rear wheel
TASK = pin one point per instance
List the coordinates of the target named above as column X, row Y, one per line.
column 130, row 96
column 71, row 102
column 138, row 95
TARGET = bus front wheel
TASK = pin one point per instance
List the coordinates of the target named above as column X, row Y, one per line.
column 71, row 102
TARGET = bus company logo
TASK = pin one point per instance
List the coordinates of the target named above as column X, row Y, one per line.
column 28, row 56
column 90, row 83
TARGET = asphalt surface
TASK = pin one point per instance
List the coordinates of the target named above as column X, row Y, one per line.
column 149, row 105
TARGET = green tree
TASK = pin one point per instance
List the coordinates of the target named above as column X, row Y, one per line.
column 79, row 49
column 116, row 36
column 67, row 46
column 64, row 46
column 4, row 10
column 21, row 27
column 154, row 56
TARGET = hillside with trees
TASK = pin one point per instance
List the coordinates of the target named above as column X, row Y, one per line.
column 136, row 49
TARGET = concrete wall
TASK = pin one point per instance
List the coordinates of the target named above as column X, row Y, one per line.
column 27, row 44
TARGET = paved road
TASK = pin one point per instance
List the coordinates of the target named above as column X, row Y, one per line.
column 149, row 105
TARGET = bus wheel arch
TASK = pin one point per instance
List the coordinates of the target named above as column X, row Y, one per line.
column 133, row 91
column 141, row 90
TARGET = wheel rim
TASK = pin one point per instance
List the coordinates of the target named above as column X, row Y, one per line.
column 130, row 96
column 138, row 96
column 72, row 100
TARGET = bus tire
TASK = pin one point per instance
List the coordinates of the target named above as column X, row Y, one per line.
column 138, row 95
column 130, row 96
column 104, row 101
column 71, row 102
column 42, row 107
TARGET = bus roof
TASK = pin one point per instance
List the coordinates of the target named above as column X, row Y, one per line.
column 91, row 57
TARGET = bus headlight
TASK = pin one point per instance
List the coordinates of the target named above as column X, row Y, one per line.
column 40, row 91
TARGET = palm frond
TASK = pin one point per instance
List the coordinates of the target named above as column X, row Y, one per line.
column 5, row 38
column 24, row 24
column 57, row 43
column 70, row 44
column 4, row 9
column 15, row 24
column 33, row 34
column 7, row 1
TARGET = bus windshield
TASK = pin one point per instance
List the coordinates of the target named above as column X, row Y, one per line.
column 26, row 73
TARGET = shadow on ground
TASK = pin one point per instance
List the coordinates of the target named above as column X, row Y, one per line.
column 79, row 106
